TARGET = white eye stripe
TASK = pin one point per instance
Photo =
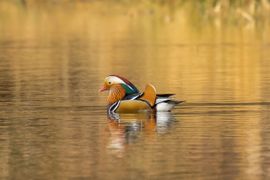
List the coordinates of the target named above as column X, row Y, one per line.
column 115, row 80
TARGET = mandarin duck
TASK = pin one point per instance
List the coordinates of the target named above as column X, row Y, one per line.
column 124, row 97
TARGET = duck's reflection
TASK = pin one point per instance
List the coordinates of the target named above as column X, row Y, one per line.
column 125, row 129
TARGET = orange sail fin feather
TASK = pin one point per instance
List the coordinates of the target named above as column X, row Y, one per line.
column 149, row 94
column 124, row 97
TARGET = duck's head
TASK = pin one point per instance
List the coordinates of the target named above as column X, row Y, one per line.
column 113, row 80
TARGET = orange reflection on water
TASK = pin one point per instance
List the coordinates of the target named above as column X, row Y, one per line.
column 125, row 129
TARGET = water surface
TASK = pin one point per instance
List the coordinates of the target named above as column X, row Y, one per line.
column 53, row 121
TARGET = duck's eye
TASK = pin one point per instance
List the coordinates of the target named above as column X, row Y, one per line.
column 110, row 82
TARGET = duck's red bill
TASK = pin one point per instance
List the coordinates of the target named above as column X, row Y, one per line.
column 102, row 88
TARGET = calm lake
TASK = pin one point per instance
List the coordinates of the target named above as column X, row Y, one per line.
column 53, row 121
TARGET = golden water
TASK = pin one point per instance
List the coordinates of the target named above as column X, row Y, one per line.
column 53, row 122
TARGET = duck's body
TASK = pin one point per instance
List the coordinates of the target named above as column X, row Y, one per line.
column 124, row 97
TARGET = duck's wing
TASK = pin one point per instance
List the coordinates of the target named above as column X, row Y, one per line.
column 163, row 98
column 132, row 96
column 166, row 98
column 165, row 95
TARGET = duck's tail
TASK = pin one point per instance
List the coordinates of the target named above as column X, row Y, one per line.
column 165, row 103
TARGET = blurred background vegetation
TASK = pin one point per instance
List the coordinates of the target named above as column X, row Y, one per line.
column 217, row 12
